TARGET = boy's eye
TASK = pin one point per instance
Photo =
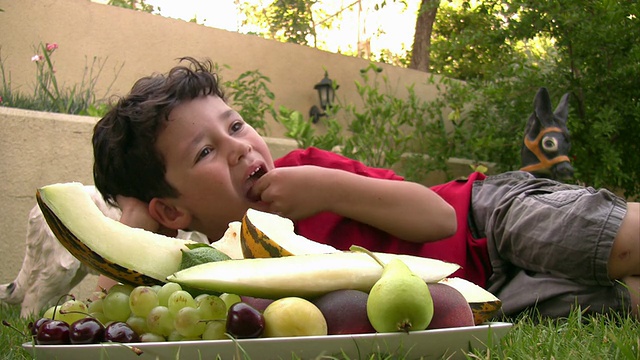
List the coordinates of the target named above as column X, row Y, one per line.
column 237, row 126
column 203, row 153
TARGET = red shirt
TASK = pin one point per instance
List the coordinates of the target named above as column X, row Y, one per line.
column 340, row 232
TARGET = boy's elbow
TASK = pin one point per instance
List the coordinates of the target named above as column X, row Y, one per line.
column 442, row 224
column 449, row 222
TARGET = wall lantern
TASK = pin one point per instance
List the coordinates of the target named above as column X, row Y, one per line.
column 327, row 95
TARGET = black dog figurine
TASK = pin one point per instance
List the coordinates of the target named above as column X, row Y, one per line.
column 546, row 139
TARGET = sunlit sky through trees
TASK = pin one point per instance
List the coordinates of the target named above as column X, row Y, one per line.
column 391, row 28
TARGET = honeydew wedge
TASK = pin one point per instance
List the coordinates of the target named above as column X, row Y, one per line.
column 484, row 304
column 304, row 276
column 126, row 254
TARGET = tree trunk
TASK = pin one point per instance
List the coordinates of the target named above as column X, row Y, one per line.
column 422, row 37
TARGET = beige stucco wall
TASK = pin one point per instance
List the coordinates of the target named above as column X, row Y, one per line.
column 37, row 148
column 144, row 43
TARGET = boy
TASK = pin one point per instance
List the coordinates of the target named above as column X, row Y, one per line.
column 173, row 155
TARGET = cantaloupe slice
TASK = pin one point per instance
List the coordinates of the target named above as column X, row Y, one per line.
column 266, row 235
column 302, row 275
column 129, row 255
column 484, row 304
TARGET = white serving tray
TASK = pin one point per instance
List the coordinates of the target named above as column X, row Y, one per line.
column 449, row 343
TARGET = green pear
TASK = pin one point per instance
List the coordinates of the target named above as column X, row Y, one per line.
column 400, row 300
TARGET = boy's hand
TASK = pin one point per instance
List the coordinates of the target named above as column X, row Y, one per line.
column 292, row 192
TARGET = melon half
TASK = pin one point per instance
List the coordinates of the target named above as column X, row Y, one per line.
column 129, row 255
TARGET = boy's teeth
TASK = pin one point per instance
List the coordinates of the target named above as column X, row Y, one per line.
column 256, row 171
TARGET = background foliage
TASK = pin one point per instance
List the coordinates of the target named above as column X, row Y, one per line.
column 505, row 50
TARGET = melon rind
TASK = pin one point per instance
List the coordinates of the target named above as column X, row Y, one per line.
column 305, row 276
column 126, row 254
column 266, row 235
column 484, row 304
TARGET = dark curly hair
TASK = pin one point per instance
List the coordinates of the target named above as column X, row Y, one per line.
column 126, row 161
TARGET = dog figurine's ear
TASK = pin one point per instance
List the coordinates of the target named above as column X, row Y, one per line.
column 542, row 108
column 562, row 110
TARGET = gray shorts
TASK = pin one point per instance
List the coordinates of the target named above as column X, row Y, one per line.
column 549, row 243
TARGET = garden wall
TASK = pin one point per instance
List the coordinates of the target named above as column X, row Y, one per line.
column 143, row 43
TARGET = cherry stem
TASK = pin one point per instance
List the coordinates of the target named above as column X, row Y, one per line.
column 135, row 350
column 7, row 324
column 53, row 317
column 210, row 320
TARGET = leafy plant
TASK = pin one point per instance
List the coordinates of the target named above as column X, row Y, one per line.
column 440, row 131
column 139, row 5
column 413, row 135
column 291, row 21
column 379, row 130
column 303, row 131
column 48, row 94
column 250, row 94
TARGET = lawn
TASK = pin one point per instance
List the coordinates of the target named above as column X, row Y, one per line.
column 576, row 337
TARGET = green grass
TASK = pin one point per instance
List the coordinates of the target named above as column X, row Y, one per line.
column 10, row 340
column 576, row 337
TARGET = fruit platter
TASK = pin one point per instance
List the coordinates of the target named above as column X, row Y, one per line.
column 261, row 291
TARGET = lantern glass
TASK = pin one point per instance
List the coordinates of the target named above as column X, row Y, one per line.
column 325, row 91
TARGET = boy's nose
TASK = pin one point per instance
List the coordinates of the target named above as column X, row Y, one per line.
column 237, row 150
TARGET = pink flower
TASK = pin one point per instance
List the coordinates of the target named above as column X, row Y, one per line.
column 51, row 46
column 37, row 58
column 1, row 100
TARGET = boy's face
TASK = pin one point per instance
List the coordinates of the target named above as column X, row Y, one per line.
column 210, row 154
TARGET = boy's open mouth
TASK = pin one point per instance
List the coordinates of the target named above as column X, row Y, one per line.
column 253, row 177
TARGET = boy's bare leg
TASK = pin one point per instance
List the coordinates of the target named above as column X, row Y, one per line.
column 625, row 255
column 624, row 261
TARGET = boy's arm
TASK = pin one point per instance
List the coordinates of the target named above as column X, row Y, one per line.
column 404, row 209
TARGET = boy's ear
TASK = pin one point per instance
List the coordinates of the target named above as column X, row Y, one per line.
column 169, row 215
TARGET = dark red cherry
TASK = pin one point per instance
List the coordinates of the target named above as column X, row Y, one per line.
column 53, row 332
column 244, row 321
column 121, row 332
column 33, row 327
column 86, row 331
